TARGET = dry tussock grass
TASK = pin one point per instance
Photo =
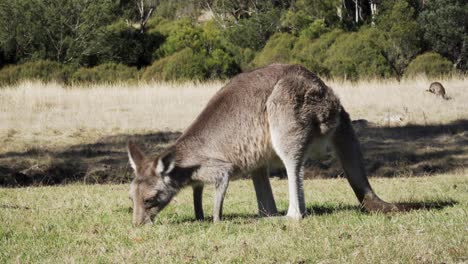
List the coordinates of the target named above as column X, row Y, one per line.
column 376, row 100
column 36, row 115
column 53, row 134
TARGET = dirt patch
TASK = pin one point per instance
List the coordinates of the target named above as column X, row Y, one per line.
column 412, row 150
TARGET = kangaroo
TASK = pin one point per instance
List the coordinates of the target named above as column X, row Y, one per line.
column 438, row 89
column 273, row 116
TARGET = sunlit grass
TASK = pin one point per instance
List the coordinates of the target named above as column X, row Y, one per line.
column 92, row 223
column 36, row 115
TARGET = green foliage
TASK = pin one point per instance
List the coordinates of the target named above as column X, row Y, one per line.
column 431, row 64
column 277, row 49
column 320, row 9
column 221, row 65
column 254, row 32
column 105, row 73
column 181, row 34
column 356, row 55
column 445, row 26
column 45, row 71
column 183, row 65
column 241, row 35
column 400, row 34
column 315, row 29
column 206, row 41
column 52, row 30
column 121, row 43
column 312, row 53
column 294, row 22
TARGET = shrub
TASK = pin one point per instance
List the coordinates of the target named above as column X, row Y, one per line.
column 399, row 41
column 206, row 41
column 445, row 26
column 121, row 43
column 294, row 22
column 315, row 29
column 221, row 65
column 312, row 53
column 431, row 64
column 277, row 49
column 183, row 65
column 108, row 73
column 356, row 55
column 179, row 35
column 45, row 71
column 255, row 31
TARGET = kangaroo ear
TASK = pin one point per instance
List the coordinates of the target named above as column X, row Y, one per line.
column 135, row 155
column 166, row 163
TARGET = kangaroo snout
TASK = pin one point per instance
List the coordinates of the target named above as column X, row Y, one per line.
column 143, row 221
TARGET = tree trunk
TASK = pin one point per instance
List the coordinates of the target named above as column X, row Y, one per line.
column 373, row 9
column 357, row 10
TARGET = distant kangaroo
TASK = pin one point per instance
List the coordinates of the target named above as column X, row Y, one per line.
column 438, row 89
column 276, row 115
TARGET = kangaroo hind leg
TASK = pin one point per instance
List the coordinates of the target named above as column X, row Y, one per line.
column 289, row 140
column 265, row 200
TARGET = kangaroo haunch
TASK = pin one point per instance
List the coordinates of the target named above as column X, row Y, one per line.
column 278, row 115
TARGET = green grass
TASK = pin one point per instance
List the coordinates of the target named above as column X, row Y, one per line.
column 92, row 223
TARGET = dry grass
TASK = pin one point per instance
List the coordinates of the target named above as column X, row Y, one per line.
column 375, row 100
column 36, row 115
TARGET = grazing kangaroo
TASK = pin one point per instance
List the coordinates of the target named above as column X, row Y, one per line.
column 273, row 116
column 438, row 89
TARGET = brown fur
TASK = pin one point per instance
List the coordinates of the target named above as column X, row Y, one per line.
column 438, row 89
column 272, row 116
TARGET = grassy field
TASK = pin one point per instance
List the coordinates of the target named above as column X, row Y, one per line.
column 35, row 115
column 51, row 134
column 54, row 134
column 92, row 223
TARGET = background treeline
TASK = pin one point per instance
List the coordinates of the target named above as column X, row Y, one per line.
column 115, row 40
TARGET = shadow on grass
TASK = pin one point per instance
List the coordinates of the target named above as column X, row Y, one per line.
column 412, row 150
column 319, row 210
column 428, row 205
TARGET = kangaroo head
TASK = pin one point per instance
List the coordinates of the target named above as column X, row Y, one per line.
column 152, row 188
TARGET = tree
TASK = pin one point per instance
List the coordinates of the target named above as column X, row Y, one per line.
column 54, row 30
column 145, row 10
column 328, row 10
column 445, row 27
column 400, row 39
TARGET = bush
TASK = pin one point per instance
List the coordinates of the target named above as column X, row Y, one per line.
column 254, row 32
column 108, row 73
column 206, row 41
column 294, row 22
column 221, row 65
column 445, row 25
column 315, row 29
column 356, row 55
column 312, row 53
column 431, row 64
column 179, row 35
column 277, row 49
column 121, row 43
column 183, row 66
column 45, row 71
